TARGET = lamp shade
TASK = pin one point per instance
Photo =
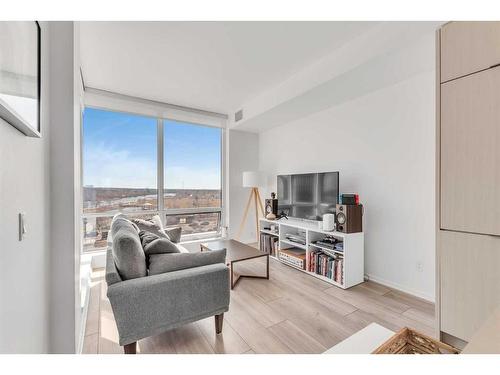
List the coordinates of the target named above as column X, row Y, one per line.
column 252, row 179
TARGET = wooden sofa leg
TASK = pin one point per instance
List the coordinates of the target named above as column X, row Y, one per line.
column 218, row 323
column 130, row 348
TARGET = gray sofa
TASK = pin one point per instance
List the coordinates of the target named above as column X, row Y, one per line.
column 148, row 304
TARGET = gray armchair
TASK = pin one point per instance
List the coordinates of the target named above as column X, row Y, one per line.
column 148, row 305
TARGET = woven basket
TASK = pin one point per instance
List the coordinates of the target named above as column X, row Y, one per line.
column 408, row 341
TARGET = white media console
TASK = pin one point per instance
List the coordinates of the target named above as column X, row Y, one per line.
column 353, row 252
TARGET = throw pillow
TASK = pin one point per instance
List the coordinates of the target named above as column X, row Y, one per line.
column 154, row 226
column 153, row 244
column 147, row 237
column 149, row 226
column 162, row 263
column 174, row 234
column 157, row 221
column 160, row 246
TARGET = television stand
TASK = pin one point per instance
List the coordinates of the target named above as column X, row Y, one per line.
column 343, row 268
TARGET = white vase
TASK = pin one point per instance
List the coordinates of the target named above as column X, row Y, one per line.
column 328, row 222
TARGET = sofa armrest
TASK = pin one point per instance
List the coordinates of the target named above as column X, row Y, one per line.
column 112, row 274
column 150, row 305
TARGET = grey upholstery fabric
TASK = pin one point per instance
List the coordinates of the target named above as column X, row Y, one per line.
column 153, row 244
column 128, row 254
column 149, row 226
column 150, row 305
column 147, row 237
column 174, row 234
column 161, row 263
column 160, row 246
column 155, row 226
column 118, row 221
column 112, row 275
column 146, row 306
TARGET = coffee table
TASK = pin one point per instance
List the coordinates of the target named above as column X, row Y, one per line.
column 237, row 252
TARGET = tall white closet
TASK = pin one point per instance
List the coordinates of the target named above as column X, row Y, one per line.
column 468, row 177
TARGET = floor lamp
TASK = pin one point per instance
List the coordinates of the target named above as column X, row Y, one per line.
column 252, row 180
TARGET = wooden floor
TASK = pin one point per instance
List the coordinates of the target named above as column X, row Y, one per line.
column 290, row 313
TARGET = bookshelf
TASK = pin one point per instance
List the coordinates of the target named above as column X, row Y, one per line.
column 351, row 257
column 293, row 244
column 268, row 232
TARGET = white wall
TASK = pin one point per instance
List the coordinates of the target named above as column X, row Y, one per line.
column 39, row 282
column 242, row 156
column 65, row 99
column 24, row 187
column 385, row 54
column 383, row 144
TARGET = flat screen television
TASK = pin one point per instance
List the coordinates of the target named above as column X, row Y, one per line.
column 308, row 196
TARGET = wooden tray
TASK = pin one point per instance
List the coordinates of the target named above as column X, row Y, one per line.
column 408, row 341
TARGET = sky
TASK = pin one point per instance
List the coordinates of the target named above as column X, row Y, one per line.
column 120, row 150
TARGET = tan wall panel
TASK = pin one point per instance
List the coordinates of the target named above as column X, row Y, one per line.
column 470, row 281
column 467, row 47
column 470, row 153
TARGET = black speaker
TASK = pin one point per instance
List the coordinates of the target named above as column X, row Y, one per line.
column 349, row 218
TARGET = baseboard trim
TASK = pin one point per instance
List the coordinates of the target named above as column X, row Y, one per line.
column 402, row 288
column 453, row 341
column 83, row 321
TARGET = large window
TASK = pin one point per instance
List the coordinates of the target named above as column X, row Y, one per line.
column 192, row 174
column 121, row 173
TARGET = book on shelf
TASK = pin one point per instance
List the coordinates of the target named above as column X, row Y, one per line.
column 327, row 265
column 294, row 256
column 269, row 243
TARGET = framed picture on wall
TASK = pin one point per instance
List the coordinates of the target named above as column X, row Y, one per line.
column 20, row 75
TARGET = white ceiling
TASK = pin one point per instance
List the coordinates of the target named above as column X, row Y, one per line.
column 215, row 66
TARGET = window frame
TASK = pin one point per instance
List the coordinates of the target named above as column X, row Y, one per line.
column 160, row 183
column 195, row 210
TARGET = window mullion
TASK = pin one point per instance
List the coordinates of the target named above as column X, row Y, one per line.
column 160, row 171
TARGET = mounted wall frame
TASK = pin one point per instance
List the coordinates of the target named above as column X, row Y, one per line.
column 20, row 75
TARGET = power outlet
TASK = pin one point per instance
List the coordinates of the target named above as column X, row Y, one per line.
column 420, row 267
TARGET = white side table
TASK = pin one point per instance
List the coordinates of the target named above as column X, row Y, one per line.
column 364, row 341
